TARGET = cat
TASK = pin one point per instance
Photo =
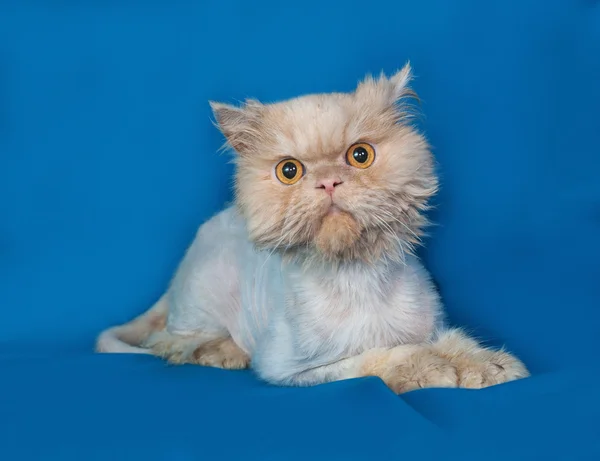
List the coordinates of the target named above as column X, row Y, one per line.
column 311, row 275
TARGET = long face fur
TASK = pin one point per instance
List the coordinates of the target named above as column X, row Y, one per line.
column 335, row 209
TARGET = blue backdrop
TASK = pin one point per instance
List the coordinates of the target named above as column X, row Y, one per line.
column 108, row 164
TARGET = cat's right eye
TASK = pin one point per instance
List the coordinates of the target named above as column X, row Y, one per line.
column 289, row 171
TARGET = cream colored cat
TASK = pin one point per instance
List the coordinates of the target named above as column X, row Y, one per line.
column 310, row 277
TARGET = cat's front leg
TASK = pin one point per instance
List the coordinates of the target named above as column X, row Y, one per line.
column 402, row 368
column 451, row 360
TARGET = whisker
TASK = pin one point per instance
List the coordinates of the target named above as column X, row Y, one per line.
column 399, row 221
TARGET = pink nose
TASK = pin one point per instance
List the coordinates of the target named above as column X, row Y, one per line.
column 328, row 185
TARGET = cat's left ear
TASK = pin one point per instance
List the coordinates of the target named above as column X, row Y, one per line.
column 400, row 83
column 387, row 91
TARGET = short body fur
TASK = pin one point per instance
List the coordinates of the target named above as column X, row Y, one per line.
column 316, row 281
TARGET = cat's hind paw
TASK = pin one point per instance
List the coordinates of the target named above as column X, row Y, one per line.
column 221, row 353
column 178, row 350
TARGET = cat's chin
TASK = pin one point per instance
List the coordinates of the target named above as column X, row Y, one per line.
column 339, row 232
column 333, row 209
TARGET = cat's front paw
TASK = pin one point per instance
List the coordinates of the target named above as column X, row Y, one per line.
column 488, row 368
column 420, row 370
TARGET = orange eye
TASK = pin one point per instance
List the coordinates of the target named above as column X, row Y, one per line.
column 289, row 171
column 360, row 155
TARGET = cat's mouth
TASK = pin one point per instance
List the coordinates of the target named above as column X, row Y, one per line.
column 331, row 207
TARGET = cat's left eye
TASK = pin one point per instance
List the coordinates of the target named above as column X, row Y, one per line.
column 360, row 155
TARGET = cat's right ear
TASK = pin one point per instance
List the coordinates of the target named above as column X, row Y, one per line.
column 239, row 125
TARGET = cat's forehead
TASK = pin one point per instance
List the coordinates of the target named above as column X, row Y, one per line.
column 311, row 127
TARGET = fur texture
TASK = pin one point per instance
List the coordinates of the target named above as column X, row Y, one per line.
column 316, row 280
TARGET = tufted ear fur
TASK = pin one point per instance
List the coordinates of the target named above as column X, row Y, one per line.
column 239, row 125
column 392, row 92
column 400, row 83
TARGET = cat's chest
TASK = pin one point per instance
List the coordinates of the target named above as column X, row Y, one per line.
column 356, row 310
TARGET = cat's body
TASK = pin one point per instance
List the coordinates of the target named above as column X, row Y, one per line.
column 308, row 278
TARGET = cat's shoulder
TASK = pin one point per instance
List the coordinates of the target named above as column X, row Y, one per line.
column 227, row 220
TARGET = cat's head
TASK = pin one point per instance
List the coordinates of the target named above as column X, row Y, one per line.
column 339, row 175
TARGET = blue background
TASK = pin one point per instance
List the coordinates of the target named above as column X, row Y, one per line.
column 108, row 164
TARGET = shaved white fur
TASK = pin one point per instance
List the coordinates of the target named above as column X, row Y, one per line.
column 287, row 318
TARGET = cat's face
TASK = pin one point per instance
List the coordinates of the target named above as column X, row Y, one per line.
column 340, row 175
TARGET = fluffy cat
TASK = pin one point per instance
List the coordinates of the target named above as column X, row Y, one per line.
column 310, row 277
